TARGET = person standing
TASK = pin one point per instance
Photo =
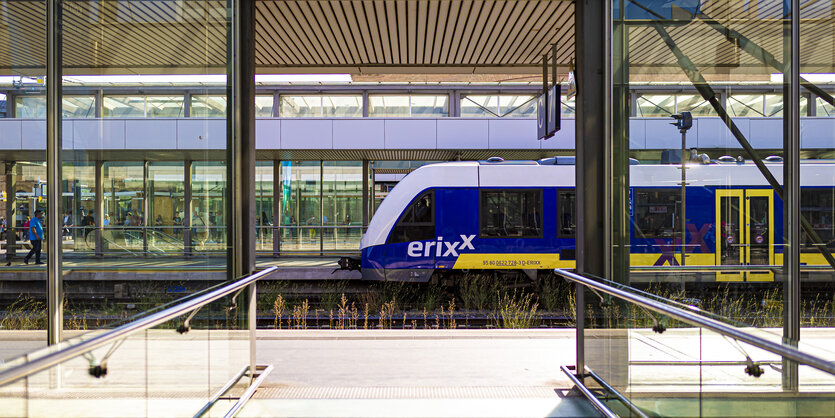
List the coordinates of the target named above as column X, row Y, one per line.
column 36, row 237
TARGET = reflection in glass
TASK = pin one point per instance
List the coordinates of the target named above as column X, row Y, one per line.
column 656, row 105
column 165, row 106
column 166, row 207
column 79, row 107
column 388, row 106
column 301, row 205
column 694, row 104
column 823, row 108
column 205, row 106
column 342, row 204
column 79, row 203
column 208, row 210
column 263, row 106
column 123, row 106
column 264, row 205
column 124, row 207
column 746, row 105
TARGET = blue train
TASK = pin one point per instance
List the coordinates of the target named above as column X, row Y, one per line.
column 520, row 215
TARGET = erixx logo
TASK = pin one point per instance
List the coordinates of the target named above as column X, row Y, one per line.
column 419, row 248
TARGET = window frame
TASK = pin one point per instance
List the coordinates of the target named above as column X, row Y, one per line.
column 560, row 198
column 677, row 208
column 540, row 195
column 409, row 207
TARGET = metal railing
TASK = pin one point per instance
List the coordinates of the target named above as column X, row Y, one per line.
column 701, row 321
column 117, row 334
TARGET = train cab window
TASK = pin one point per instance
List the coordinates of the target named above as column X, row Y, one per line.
column 818, row 207
column 566, row 210
column 511, row 213
column 657, row 213
column 417, row 222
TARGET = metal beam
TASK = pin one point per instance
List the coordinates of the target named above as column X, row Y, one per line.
column 54, row 288
column 710, row 96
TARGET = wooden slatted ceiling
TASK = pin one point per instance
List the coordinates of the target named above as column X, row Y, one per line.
column 380, row 36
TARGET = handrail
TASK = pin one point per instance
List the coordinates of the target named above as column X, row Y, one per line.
column 704, row 322
column 51, row 359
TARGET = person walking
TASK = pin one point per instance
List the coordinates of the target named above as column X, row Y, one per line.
column 36, row 237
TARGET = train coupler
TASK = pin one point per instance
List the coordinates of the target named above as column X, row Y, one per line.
column 348, row 263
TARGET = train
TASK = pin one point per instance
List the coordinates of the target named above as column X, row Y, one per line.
column 520, row 216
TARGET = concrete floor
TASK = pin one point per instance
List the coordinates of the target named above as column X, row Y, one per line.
column 416, row 373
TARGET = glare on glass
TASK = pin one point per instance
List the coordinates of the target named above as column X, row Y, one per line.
column 208, row 106
column 656, row 105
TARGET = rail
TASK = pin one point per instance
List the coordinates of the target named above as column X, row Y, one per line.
column 692, row 318
column 42, row 363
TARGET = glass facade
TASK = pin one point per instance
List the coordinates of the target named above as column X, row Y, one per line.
column 481, row 105
column 709, row 228
column 397, row 106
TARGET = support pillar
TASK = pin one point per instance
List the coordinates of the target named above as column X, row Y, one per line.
column 99, row 204
column 187, row 248
column 146, row 206
column 11, row 213
column 791, row 190
column 240, row 140
column 52, row 231
column 278, row 218
column 365, row 195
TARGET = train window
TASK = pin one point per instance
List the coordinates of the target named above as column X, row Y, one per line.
column 417, row 222
column 566, row 219
column 511, row 213
column 656, row 213
column 818, row 207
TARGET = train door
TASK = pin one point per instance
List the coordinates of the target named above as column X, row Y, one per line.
column 745, row 225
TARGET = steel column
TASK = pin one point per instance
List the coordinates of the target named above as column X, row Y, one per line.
column 278, row 218
column 240, row 140
column 590, row 137
column 187, row 164
column 365, row 196
column 791, row 191
column 146, row 206
column 11, row 213
column 99, row 204
column 52, row 232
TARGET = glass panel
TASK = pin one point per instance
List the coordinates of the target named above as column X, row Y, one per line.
column 264, row 205
column 208, row 106
column 568, row 107
column 417, row 223
column 380, row 106
column 818, row 207
column 263, row 106
column 30, row 107
column 656, row 212
column 566, row 210
column 759, row 228
column 430, row 106
column 301, row 204
column 656, row 105
column 124, row 203
column 516, row 214
column 824, row 109
column 166, row 206
column 517, row 106
column 730, row 230
column 300, row 106
column 123, row 107
column 165, row 106
column 752, row 105
column 208, row 210
column 78, row 107
column 79, row 203
column 694, row 104
column 342, row 106
column 342, row 203
column 473, row 105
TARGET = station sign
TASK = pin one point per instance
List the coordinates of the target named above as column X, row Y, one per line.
column 547, row 113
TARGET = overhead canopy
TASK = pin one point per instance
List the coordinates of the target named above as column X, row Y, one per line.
column 390, row 36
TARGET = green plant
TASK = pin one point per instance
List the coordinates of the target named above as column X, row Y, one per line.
column 478, row 291
column 515, row 311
